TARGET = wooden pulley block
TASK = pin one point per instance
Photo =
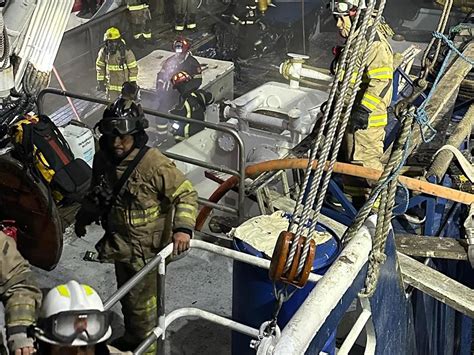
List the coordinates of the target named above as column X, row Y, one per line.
column 280, row 255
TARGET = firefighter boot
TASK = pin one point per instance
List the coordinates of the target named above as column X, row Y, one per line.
column 191, row 23
column 179, row 24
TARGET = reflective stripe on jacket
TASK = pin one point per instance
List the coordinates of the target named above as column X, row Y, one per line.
column 376, row 89
column 137, row 225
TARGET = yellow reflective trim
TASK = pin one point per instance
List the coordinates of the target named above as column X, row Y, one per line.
column 132, row 65
column 144, row 216
column 378, row 120
column 63, row 291
column 88, row 289
column 100, row 77
column 185, row 186
column 191, row 26
column 380, row 70
column 147, row 35
column 369, row 105
column 353, row 78
column 137, row 36
column 186, row 205
column 137, row 7
column 188, row 109
column 114, row 67
column 179, row 27
column 132, row 78
column 191, row 209
column 388, row 76
column 186, row 130
column 186, row 215
column 372, row 98
column 114, row 87
column 99, row 62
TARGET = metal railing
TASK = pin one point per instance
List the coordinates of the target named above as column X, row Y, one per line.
column 300, row 331
column 240, row 172
column 165, row 320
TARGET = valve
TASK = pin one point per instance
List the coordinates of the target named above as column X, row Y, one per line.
column 280, row 255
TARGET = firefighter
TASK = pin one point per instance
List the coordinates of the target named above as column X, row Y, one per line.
column 19, row 296
column 138, row 222
column 245, row 22
column 364, row 139
column 192, row 104
column 185, row 12
column 130, row 91
column 139, row 18
column 168, row 97
column 115, row 64
column 84, row 324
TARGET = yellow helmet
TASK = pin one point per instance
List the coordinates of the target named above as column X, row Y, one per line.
column 111, row 34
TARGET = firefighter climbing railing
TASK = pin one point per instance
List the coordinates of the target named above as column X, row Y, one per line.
column 299, row 332
column 239, row 173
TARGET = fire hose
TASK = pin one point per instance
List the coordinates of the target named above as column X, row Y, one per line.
column 339, row 168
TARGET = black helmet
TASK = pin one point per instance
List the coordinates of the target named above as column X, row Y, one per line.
column 122, row 117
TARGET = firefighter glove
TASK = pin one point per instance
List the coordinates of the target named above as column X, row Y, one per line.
column 101, row 86
column 359, row 118
column 20, row 341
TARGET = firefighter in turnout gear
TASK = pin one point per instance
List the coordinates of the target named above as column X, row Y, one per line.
column 364, row 139
column 245, row 22
column 139, row 18
column 115, row 64
column 168, row 97
column 192, row 104
column 135, row 211
column 185, row 12
column 19, row 296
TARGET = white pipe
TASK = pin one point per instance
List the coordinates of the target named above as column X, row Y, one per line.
column 314, row 74
column 239, row 256
column 214, row 318
column 301, row 329
column 354, row 333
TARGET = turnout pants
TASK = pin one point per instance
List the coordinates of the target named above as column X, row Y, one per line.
column 363, row 147
column 139, row 306
column 185, row 11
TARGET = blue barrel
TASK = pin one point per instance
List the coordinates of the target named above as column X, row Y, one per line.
column 253, row 301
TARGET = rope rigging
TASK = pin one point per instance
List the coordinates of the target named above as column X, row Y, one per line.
column 295, row 247
column 342, row 98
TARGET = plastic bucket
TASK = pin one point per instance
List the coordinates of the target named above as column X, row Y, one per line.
column 252, row 293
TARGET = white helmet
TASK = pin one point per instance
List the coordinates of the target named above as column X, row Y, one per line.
column 73, row 314
column 342, row 7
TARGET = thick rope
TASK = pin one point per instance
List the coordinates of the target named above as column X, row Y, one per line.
column 386, row 187
column 301, row 210
column 391, row 172
column 321, row 192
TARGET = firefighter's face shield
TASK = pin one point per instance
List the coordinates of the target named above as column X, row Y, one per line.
column 345, row 8
column 119, row 126
column 75, row 328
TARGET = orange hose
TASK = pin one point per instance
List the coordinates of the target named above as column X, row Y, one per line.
column 340, row 168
